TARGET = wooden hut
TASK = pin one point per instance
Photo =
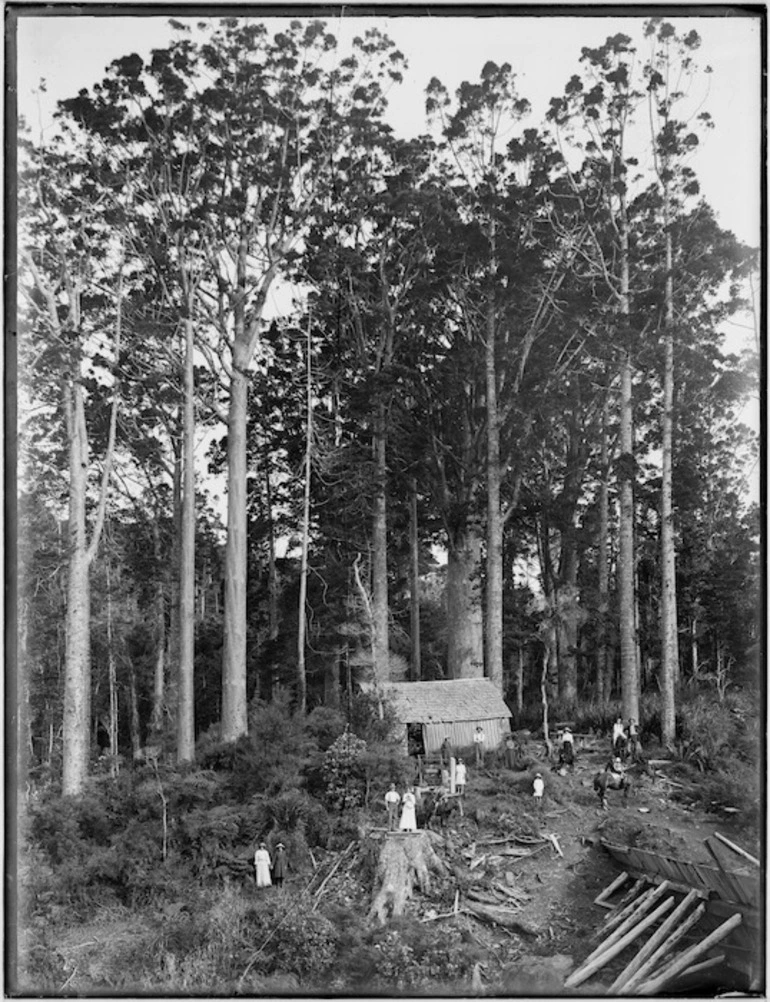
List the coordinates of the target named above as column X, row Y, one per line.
column 452, row 708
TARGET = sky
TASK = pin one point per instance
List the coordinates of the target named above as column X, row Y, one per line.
column 71, row 52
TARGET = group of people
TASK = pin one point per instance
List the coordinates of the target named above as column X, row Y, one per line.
column 269, row 871
column 408, row 805
column 625, row 739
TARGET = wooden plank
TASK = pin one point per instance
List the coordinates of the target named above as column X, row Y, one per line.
column 704, row 965
column 611, row 888
column 587, row 969
column 646, row 901
column 665, row 947
column 733, row 891
column 737, row 848
column 654, row 942
column 622, row 911
column 684, row 961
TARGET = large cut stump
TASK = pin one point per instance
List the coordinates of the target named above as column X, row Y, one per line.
column 406, row 860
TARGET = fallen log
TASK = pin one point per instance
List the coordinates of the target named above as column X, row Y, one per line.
column 662, row 976
column 652, row 944
column 404, row 863
column 618, row 946
column 500, row 916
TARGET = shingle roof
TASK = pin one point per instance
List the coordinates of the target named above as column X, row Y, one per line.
column 445, row 701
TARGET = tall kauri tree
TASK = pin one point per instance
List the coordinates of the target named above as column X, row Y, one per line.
column 599, row 107
column 269, row 123
column 73, row 275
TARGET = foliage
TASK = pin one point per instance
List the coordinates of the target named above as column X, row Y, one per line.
column 344, row 771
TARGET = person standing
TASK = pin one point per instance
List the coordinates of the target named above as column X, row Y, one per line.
column 408, row 815
column 538, row 789
column 460, row 777
column 279, row 864
column 618, row 737
column 634, row 743
column 447, row 753
column 478, row 744
column 392, row 800
column 510, row 752
column 262, row 866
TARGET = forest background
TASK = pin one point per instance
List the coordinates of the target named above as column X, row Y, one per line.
column 306, row 400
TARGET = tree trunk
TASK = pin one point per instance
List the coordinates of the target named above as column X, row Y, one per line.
column 380, row 553
column 112, row 680
column 272, row 572
column 406, row 860
column 332, row 680
column 603, row 675
column 159, row 676
column 465, row 633
column 669, row 645
column 301, row 613
column 174, row 633
column 185, row 749
column 133, row 720
column 493, row 637
column 519, row 683
column 77, row 668
column 629, row 669
column 234, row 709
column 414, row 596
column 569, row 618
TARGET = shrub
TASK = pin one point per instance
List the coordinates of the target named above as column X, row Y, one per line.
column 324, row 725
column 344, row 772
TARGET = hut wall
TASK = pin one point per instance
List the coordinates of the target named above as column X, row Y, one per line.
column 461, row 733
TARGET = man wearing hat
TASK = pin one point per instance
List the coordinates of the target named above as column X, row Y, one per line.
column 279, row 864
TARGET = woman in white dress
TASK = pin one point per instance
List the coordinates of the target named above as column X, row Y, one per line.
column 262, row 866
column 408, row 817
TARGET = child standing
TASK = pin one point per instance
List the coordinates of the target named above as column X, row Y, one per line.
column 538, row 789
column 460, row 775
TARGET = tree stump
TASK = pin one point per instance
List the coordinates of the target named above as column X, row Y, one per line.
column 406, row 861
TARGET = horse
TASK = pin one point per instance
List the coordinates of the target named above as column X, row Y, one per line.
column 608, row 780
column 567, row 755
column 620, row 747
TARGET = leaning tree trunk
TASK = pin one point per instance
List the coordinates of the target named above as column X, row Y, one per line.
column 406, row 861
column 465, row 633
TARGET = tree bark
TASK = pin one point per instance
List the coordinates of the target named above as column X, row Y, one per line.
column 77, row 660
column 234, row 711
column 380, row 552
column 629, row 669
column 669, row 643
column 493, row 636
column 406, row 861
column 185, row 749
column 301, row 613
column 272, row 571
column 414, row 595
column 465, row 633
column 603, row 674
